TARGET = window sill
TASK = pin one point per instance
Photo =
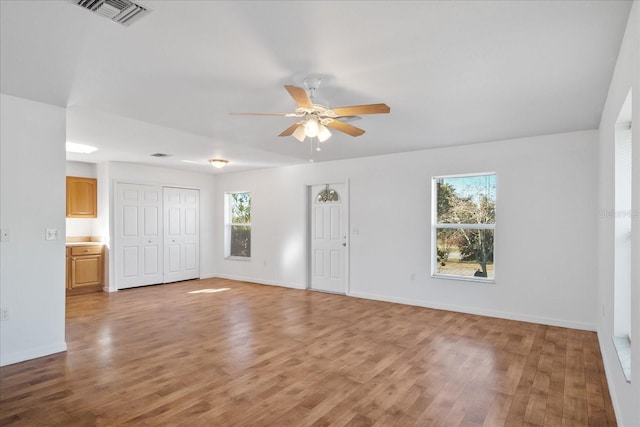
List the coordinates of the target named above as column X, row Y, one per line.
column 623, row 349
column 238, row 258
column 464, row 278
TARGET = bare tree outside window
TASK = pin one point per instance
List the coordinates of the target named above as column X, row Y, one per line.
column 464, row 226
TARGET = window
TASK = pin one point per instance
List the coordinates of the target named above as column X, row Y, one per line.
column 623, row 217
column 327, row 195
column 238, row 225
column 464, row 219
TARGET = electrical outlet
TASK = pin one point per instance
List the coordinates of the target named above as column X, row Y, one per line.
column 51, row 234
column 4, row 314
column 4, row 235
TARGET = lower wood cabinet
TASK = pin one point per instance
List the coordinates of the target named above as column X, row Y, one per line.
column 85, row 268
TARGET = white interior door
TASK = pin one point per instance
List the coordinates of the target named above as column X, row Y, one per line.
column 329, row 235
column 181, row 234
column 138, row 235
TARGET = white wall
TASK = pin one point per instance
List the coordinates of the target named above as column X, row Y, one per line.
column 81, row 226
column 110, row 173
column 626, row 396
column 82, row 169
column 545, row 240
column 32, row 277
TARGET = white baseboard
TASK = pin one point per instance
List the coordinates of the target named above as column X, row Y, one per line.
column 481, row 312
column 33, row 353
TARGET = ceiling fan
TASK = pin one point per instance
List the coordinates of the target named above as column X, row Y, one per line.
column 317, row 117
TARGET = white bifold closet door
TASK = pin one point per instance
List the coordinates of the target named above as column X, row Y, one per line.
column 157, row 236
column 181, row 234
column 138, row 235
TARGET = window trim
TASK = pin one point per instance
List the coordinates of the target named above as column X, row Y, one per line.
column 435, row 226
column 228, row 225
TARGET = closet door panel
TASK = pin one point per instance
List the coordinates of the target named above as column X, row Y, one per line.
column 181, row 234
column 138, row 235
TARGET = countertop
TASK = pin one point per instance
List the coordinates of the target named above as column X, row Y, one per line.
column 85, row 243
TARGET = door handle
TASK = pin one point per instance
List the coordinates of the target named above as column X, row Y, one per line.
column 344, row 244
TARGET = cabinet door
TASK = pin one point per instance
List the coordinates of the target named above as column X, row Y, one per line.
column 86, row 271
column 82, row 197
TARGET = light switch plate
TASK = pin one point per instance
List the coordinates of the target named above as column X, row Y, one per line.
column 51, row 234
column 4, row 235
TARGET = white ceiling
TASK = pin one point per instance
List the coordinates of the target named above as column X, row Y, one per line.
column 453, row 72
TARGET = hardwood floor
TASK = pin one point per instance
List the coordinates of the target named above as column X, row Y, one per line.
column 225, row 353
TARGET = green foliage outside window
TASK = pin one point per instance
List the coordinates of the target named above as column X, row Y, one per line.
column 240, row 227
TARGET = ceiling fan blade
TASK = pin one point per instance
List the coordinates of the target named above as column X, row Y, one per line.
column 299, row 95
column 356, row 110
column 288, row 131
column 345, row 127
column 260, row 114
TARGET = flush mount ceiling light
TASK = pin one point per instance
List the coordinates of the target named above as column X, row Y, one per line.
column 218, row 163
column 73, row 147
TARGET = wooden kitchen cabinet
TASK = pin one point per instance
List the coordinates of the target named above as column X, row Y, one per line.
column 85, row 268
column 82, row 197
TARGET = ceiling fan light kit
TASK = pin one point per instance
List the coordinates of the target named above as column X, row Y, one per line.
column 299, row 133
column 324, row 133
column 311, row 127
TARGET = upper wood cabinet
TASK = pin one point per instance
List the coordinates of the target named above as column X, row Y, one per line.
column 82, row 197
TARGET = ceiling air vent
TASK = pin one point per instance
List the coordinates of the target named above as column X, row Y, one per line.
column 121, row 11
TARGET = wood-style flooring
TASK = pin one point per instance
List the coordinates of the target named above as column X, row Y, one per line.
column 223, row 353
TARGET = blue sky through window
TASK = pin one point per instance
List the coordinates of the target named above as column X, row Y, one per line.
column 473, row 186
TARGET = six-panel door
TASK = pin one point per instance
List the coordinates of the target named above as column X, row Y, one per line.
column 138, row 234
column 181, row 234
column 157, row 236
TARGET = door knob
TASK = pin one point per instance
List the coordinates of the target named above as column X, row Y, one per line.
column 344, row 244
